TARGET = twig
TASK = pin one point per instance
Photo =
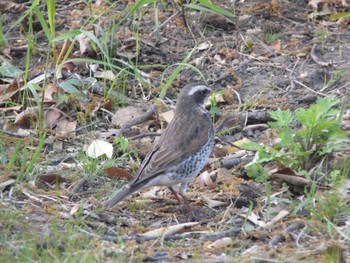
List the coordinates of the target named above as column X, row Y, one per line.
column 173, row 17
column 292, row 73
column 310, row 89
column 137, row 120
column 208, row 237
column 76, row 187
column 316, row 59
column 142, row 135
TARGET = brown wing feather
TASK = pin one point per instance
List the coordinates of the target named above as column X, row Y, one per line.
column 168, row 151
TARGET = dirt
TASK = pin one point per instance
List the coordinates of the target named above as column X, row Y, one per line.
column 272, row 55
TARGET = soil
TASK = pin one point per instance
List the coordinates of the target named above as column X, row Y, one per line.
column 273, row 54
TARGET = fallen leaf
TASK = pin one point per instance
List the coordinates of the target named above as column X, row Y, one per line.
column 205, row 178
column 107, row 74
column 118, row 172
column 123, row 115
column 8, row 90
column 169, row 230
column 204, row 46
column 167, row 116
column 51, row 118
column 25, row 117
column 212, row 203
column 74, row 210
column 85, row 46
column 51, row 178
column 221, row 243
column 65, row 127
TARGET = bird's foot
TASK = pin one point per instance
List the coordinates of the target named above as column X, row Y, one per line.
column 184, row 205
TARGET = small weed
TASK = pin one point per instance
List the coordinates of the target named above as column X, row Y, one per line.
column 319, row 129
column 214, row 110
column 270, row 38
column 334, row 78
column 322, row 35
column 123, row 142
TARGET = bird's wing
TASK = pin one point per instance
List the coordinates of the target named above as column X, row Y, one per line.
column 179, row 140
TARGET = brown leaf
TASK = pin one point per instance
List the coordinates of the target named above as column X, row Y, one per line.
column 205, row 178
column 8, row 90
column 64, row 50
column 115, row 171
column 291, row 179
column 11, row 7
column 51, row 118
column 85, row 45
column 50, row 89
column 25, row 118
column 221, row 243
column 65, row 126
column 167, row 116
column 124, row 115
column 52, row 178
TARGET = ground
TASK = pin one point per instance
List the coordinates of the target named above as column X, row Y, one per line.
column 268, row 55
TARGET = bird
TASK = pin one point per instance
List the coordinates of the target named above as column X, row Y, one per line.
column 181, row 151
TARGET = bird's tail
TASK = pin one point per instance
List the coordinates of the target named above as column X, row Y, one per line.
column 122, row 195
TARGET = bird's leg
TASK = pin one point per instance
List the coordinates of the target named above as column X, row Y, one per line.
column 187, row 206
column 175, row 194
column 184, row 203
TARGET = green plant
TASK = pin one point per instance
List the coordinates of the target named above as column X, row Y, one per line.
column 322, row 35
column 205, row 5
column 123, row 142
column 214, row 110
column 317, row 135
column 270, row 37
column 334, row 78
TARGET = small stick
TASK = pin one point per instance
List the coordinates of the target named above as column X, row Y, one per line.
column 137, row 120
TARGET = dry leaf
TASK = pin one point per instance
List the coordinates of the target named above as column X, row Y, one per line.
column 107, row 74
column 204, row 46
column 74, row 210
column 118, row 172
column 8, row 90
column 123, row 115
column 64, row 50
column 218, row 97
column 29, row 114
column 51, row 118
column 221, row 243
column 167, row 116
column 169, row 230
column 212, row 203
column 11, row 7
column 255, row 219
column 205, row 178
column 51, row 179
column 50, row 89
column 282, row 214
column 85, row 45
column 65, row 127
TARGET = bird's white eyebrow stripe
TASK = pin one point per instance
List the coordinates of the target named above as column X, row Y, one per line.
column 197, row 88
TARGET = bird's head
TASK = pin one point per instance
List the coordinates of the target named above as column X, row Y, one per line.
column 193, row 95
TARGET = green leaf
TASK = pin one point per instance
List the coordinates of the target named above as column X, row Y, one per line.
column 253, row 146
column 69, row 34
column 337, row 16
column 282, row 118
column 69, row 86
column 123, row 142
column 10, row 71
column 207, row 6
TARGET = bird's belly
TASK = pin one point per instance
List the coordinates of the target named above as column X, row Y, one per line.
column 169, row 179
